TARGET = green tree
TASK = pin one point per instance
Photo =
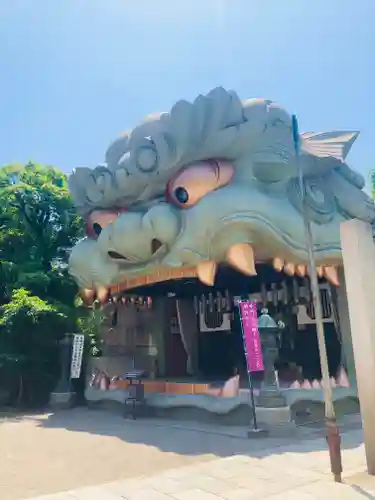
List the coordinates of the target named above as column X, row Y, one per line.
column 40, row 222
column 39, row 226
column 38, row 298
column 90, row 323
column 30, row 329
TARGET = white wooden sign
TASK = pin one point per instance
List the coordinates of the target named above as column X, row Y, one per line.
column 77, row 355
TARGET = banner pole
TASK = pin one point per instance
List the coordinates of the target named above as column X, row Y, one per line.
column 255, row 428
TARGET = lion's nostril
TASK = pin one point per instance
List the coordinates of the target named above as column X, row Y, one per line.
column 155, row 245
column 116, row 255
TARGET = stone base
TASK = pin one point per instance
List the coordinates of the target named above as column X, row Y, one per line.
column 62, row 400
column 271, row 398
column 257, row 433
column 269, row 417
column 199, row 408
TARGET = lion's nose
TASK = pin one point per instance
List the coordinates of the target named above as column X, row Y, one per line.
column 155, row 245
column 162, row 223
column 116, row 256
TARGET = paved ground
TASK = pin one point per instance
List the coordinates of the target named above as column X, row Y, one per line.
column 68, row 451
column 48, row 453
column 295, row 472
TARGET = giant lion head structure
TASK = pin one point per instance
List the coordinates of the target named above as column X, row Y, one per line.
column 212, row 182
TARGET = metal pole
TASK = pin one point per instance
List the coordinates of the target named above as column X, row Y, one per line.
column 250, row 378
column 332, row 430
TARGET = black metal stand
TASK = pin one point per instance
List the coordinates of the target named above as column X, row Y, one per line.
column 135, row 397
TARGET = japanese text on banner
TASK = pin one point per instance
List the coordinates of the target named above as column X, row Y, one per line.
column 251, row 337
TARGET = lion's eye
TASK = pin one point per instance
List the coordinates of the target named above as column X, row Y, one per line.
column 98, row 219
column 97, row 228
column 194, row 181
column 181, row 195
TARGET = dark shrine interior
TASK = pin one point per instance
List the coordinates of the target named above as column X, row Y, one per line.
column 221, row 352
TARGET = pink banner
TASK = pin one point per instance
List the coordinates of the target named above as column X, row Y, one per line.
column 251, row 337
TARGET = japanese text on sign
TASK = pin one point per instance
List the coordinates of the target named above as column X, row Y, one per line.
column 77, row 355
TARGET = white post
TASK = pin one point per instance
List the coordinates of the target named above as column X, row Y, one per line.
column 359, row 266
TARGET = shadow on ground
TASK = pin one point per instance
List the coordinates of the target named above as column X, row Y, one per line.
column 187, row 438
column 84, row 447
column 362, row 492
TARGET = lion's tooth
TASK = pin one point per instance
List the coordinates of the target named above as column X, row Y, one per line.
column 295, row 385
column 241, row 257
column 102, row 293
column 206, row 272
column 301, row 270
column 87, row 295
column 278, row 264
column 320, row 271
column 331, row 275
column 290, row 268
column 306, row 384
column 342, row 378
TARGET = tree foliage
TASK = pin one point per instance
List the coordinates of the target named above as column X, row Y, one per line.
column 30, row 329
column 38, row 298
column 38, row 217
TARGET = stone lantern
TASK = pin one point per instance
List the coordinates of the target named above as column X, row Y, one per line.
column 269, row 331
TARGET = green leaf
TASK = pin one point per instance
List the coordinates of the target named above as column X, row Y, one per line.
column 38, row 298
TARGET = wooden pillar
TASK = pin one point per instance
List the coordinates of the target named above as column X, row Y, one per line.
column 187, row 319
column 160, row 330
column 345, row 329
column 359, row 266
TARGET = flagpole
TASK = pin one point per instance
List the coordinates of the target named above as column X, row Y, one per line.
column 249, row 377
column 332, row 430
column 254, row 429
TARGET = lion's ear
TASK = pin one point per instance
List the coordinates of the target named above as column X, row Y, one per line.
column 351, row 201
column 336, row 144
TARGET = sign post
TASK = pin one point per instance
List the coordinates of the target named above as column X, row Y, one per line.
column 253, row 352
column 77, row 355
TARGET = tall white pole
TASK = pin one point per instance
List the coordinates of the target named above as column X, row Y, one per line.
column 333, row 436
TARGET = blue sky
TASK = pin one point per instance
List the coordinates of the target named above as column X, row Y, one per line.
column 75, row 73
